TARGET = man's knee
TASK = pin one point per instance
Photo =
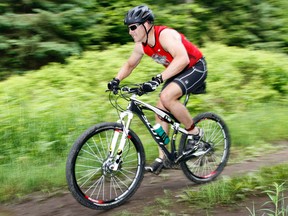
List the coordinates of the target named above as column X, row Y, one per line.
column 166, row 99
column 170, row 94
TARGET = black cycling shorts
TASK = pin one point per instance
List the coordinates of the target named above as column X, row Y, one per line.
column 190, row 79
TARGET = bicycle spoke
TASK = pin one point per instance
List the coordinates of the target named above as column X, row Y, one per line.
column 96, row 146
column 87, row 178
column 93, row 171
column 212, row 152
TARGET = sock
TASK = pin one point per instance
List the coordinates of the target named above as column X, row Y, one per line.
column 191, row 128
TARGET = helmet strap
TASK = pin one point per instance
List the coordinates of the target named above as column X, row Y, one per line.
column 147, row 33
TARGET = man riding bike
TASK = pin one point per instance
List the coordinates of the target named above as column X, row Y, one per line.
column 185, row 70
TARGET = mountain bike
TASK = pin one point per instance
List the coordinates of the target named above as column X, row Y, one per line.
column 105, row 165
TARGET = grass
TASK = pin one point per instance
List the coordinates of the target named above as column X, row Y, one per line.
column 26, row 174
column 277, row 199
column 44, row 111
column 259, row 125
column 232, row 190
column 20, row 179
column 271, row 181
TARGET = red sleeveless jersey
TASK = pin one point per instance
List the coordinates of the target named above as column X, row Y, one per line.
column 162, row 57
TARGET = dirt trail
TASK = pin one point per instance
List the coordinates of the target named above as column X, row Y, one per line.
column 152, row 187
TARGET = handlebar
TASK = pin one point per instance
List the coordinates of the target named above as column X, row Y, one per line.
column 138, row 90
column 123, row 92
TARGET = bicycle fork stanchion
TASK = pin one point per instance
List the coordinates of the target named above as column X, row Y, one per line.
column 124, row 136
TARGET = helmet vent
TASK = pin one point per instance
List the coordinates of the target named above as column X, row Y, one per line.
column 139, row 14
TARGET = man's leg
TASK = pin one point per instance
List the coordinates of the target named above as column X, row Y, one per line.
column 169, row 100
column 158, row 163
column 164, row 125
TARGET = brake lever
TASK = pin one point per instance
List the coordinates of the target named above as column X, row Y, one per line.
column 125, row 88
column 140, row 91
column 115, row 91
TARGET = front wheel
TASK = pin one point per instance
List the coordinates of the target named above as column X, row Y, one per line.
column 89, row 170
column 209, row 157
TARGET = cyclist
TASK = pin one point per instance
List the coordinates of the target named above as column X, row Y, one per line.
column 185, row 69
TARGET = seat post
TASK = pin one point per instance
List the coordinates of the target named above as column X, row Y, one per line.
column 186, row 99
column 200, row 90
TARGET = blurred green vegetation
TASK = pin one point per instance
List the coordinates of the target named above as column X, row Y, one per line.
column 229, row 191
column 44, row 111
column 57, row 56
column 36, row 32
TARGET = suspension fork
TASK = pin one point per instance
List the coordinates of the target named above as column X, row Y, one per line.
column 125, row 132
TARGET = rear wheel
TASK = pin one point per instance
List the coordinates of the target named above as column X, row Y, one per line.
column 209, row 157
column 89, row 169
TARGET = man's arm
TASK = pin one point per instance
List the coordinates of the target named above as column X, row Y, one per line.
column 132, row 62
column 172, row 43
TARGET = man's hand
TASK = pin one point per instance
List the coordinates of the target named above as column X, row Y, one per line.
column 153, row 84
column 113, row 85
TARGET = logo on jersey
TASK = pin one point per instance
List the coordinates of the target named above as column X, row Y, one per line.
column 160, row 59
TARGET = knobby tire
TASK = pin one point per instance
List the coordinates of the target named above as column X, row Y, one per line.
column 216, row 141
column 90, row 181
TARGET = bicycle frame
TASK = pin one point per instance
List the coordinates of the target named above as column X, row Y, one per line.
column 136, row 107
column 106, row 164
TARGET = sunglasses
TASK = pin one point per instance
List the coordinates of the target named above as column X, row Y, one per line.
column 133, row 27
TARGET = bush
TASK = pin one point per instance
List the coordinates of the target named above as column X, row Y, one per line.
column 38, row 32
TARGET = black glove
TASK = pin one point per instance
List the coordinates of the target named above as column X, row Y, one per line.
column 113, row 85
column 153, row 84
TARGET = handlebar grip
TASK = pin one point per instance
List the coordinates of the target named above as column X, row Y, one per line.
column 125, row 88
column 136, row 90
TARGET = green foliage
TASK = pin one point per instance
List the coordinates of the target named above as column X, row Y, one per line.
column 277, row 199
column 78, row 88
column 243, row 77
column 251, row 126
column 26, row 177
column 233, row 190
column 38, row 32
column 245, row 23
column 30, row 42
column 44, row 111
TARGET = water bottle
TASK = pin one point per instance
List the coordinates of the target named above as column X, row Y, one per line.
column 160, row 131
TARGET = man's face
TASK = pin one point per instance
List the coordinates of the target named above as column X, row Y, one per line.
column 137, row 32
